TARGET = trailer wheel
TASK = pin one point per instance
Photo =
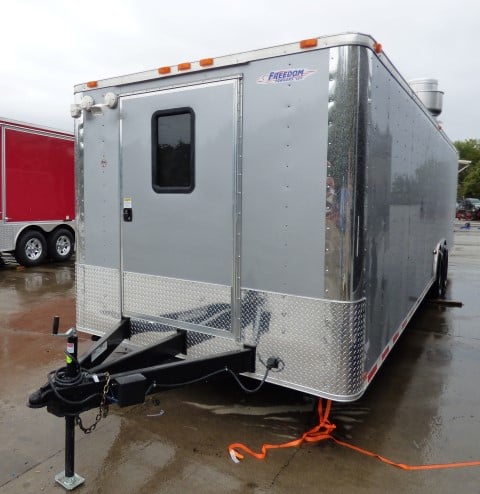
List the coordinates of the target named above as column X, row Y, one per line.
column 60, row 245
column 31, row 249
column 444, row 278
column 439, row 288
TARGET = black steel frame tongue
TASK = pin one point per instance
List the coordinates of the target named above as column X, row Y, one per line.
column 99, row 378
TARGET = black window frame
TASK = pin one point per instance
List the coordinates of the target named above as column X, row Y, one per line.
column 168, row 189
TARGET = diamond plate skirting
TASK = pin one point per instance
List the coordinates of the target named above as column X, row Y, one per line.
column 321, row 343
column 98, row 299
column 201, row 304
column 7, row 236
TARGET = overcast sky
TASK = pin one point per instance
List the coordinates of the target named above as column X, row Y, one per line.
column 50, row 45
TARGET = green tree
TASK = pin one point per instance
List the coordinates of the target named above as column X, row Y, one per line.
column 469, row 179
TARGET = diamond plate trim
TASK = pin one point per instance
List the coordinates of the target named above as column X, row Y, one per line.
column 145, row 333
column 199, row 344
column 98, row 299
column 321, row 342
column 7, row 236
column 202, row 304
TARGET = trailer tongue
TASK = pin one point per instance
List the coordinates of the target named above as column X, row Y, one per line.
column 94, row 380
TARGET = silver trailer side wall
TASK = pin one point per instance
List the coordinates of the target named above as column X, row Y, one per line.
column 409, row 205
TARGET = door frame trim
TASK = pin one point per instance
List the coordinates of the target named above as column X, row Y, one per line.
column 237, row 112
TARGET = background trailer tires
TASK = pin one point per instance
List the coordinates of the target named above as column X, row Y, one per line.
column 61, row 243
column 31, row 248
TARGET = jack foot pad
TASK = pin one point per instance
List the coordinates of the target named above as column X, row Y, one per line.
column 69, row 483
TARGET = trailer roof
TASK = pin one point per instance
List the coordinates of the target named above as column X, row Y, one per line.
column 236, row 59
column 31, row 126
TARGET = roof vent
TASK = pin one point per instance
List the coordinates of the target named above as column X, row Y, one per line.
column 427, row 92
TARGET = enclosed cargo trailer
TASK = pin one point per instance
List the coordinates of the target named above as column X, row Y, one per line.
column 37, row 192
column 296, row 199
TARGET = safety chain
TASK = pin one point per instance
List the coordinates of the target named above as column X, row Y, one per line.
column 102, row 411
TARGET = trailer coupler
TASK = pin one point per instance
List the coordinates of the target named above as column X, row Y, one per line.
column 95, row 380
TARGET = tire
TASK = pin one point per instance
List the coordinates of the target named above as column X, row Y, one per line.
column 31, row 249
column 444, row 278
column 439, row 287
column 60, row 245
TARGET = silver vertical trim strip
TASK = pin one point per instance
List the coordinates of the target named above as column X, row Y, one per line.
column 357, row 242
column 237, row 213
column 345, row 172
column 80, row 189
column 121, row 279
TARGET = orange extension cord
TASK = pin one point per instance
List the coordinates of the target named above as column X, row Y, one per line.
column 322, row 431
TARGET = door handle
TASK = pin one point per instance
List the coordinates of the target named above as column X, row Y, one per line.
column 127, row 214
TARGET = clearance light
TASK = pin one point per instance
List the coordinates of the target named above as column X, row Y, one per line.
column 87, row 103
column 92, row 84
column 205, row 62
column 164, row 70
column 378, row 48
column 184, row 66
column 111, row 99
column 75, row 110
column 308, row 43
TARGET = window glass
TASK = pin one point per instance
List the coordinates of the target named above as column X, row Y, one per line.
column 173, row 153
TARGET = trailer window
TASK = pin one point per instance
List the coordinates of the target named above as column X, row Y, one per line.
column 173, row 151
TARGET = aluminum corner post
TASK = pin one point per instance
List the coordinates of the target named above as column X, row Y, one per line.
column 346, row 169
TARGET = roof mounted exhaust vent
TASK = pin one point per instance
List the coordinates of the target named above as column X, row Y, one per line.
column 427, row 92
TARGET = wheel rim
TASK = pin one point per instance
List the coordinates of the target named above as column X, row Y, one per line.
column 33, row 249
column 63, row 245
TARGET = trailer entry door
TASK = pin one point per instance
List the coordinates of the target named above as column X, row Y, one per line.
column 179, row 166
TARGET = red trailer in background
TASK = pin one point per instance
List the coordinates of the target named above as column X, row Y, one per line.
column 37, row 193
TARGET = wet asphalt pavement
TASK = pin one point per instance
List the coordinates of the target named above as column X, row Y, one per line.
column 422, row 407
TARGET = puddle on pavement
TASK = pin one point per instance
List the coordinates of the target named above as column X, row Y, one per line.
column 22, row 286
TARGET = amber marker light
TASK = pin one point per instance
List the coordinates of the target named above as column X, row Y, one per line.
column 92, row 84
column 378, row 47
column 308, row 43
column 184, row 66
column 206, row 62
column 164, row 70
